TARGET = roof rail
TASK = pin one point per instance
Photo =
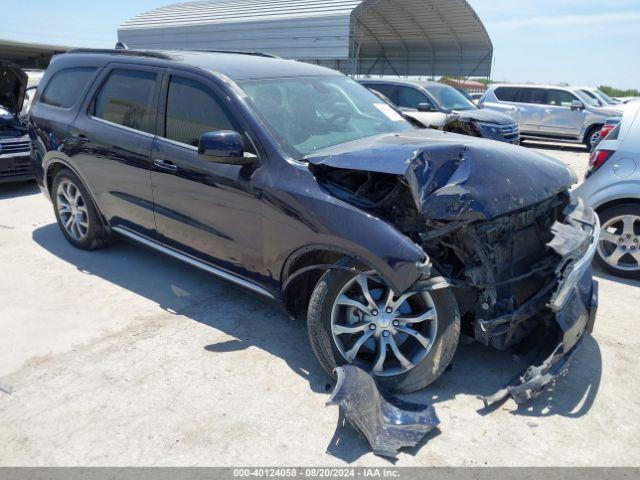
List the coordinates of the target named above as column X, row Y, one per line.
column 238, row 52
column 128, row 53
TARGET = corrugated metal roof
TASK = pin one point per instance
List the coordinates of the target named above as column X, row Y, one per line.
column 403, row 37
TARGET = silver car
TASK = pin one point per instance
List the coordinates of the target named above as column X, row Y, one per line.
column 613, row 189
column 550, row 112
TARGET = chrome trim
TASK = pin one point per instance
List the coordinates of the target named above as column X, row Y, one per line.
column 117, row 125
column 193, row 262
column 176, row 143
column 562, row 295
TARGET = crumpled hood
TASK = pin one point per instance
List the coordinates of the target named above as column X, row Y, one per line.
column 455, row 177
column 488, row 116
column 13, row 85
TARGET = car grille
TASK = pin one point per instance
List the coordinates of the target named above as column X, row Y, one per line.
column 14, row 147
column 510, row 132
column 14, row 159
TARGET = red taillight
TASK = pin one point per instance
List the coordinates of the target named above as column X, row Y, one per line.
column 598, row 158
column 606, row 130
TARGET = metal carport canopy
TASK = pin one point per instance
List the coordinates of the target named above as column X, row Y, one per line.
column 29, row 55
column 374, row 37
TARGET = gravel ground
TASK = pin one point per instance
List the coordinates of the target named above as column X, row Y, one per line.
column 124, row 357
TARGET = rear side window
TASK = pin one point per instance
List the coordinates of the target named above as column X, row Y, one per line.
column 126, row 98
column 537, row 96
column 192, row 110
column 506, row 94
column 66, row 86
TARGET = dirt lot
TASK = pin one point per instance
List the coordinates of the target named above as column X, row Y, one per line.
column 125, row 357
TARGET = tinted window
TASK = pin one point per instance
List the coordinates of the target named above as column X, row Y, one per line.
column 191, row 111
column 126, row 98
column 560, row 98
column 506, row 94
column 410, row 97
column 388, row 91
column 66, row 86
column 532, row 95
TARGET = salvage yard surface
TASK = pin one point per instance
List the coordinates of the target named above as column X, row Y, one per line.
column 125, row 357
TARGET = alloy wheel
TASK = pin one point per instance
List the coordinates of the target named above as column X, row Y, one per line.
column 620, row 243
column 72, row 209
column 375, row 328
column 593, row 141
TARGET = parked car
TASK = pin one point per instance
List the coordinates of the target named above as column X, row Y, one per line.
column 297, row 183
column 550, row 112
column 626, row 100
column 612, row 187
column 15, row 165
column 603, row 99
column 435, row 105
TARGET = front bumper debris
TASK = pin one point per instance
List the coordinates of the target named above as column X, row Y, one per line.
column 574, row 303
column 388, row 423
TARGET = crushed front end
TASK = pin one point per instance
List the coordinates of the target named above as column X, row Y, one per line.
column 499, row 227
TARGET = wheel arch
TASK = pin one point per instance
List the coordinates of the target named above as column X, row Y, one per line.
column 616, row 202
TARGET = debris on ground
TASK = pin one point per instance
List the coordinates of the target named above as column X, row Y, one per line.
column 6, row 389
column 387, row 422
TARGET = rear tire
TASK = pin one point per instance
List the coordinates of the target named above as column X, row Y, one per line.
column 592, row 138
column 76, row 213
column 443, row 346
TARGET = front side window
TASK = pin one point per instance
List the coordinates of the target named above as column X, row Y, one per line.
column 305, row 114
column 126, row 98
column 560, row 98
column 192, row 110
column 66, row 86
column 411, row 97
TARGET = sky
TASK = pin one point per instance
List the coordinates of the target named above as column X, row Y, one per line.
column 587, row 42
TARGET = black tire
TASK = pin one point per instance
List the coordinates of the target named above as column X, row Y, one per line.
column 587, row 138
column 98, row 234
column 423, row 374
column 605, row 216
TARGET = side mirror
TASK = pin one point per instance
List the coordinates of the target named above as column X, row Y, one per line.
column 224, row 146
column 577, row 105
column 426, row 107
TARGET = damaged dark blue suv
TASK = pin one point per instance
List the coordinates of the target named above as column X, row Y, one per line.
column 301, row 185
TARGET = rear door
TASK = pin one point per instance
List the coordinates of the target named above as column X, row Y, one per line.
column 114, row 135
column 530, row 103
column 558, row 118
column 207, row 210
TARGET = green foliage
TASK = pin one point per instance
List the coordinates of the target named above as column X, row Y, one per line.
column 616, row 92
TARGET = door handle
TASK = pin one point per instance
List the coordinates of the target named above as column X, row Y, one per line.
column 166, row 166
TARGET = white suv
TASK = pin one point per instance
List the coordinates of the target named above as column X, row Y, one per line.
column 550, row 112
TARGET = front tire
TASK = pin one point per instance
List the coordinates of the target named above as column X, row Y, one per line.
column 353, row 318
column 619, row 247
column 76, row 214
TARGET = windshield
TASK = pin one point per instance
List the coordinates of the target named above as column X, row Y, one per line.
column 449, row 98
column 606, row 98
column 306, row 114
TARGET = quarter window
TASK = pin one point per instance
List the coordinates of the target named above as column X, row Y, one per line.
column 66, row 86
column 191, row 111
column 126, row 98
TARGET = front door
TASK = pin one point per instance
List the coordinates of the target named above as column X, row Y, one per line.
column 559, row 118
column 207, row 210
